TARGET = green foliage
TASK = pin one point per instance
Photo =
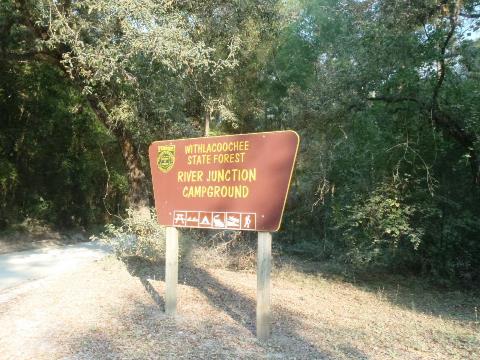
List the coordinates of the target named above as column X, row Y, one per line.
column 374, row 228
column 389, row 137
column 51, row 157
column 385, row 96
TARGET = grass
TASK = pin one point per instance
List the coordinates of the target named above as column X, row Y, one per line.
column 115, row 311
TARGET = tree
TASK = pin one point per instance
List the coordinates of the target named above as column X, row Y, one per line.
column 402, row 54
column 112, row 52
column 385, row 96
column 52, row 152
column 241, row 32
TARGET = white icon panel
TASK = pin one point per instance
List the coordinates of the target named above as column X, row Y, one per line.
column 215, row 220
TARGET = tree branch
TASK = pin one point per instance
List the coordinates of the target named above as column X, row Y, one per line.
column 441, row 119
column 26, row 19
column 394, row 99
column 470, row 16
column 41, row 56
column 443, row 50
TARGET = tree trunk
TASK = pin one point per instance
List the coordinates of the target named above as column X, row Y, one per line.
column 207, row 121
column 137, row 194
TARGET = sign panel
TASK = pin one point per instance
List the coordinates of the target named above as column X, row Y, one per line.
column 237, row 182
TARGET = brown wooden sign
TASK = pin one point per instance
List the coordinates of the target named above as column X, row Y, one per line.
column 237, row 182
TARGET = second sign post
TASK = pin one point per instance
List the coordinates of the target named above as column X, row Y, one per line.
column 236, row 182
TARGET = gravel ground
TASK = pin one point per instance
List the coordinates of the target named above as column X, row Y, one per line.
column 112, row 310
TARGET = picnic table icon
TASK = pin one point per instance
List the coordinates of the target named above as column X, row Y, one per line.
column 179, row 218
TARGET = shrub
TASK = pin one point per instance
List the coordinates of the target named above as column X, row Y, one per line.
column 136, row 235
column 380, row 229
column 226, row 249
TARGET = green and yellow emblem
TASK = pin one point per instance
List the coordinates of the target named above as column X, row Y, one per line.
column 165, row 158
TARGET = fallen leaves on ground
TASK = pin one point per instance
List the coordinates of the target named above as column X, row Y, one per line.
column 112, row 310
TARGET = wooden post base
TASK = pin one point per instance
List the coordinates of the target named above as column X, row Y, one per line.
column 171, row 271
column 264, row 266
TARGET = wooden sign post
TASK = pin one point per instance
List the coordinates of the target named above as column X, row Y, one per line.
column 264, row 267
column 171, row 271
column 234, row 182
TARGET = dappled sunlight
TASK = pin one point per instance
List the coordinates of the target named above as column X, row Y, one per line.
column 344, row 133
column 116, row 309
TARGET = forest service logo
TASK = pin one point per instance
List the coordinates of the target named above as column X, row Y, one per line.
column 165, row 158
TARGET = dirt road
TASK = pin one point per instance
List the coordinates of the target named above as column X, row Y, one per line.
column 113, row 310
column 20, row 267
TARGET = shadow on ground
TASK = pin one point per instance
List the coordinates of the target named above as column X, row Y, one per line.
column 407, row 292
column 241, row 309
